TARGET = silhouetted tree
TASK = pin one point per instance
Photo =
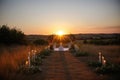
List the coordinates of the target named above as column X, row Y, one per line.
column 4, row 34
column 11, row 36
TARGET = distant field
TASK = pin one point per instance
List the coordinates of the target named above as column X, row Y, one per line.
column 111, row 52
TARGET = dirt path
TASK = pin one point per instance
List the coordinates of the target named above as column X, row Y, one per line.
column 64, row 66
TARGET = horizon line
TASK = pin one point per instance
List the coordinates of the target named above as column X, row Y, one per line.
column 74, row 33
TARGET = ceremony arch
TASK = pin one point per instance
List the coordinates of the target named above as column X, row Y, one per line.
column 61, row 43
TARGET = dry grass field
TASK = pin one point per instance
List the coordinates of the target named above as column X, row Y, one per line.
column 111, row 52
column 11, row 57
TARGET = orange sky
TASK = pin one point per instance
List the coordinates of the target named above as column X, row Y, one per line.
column 71, row 16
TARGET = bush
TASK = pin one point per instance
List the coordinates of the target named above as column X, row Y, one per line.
column 85, row 41
column 30, row 70
column 40, row 42
column 95, row 64
column 79, row 53
column 37, row 61
column 51, row 47
column 45, row 52
column 109, row 68
column 105, row 42
column 11, row 36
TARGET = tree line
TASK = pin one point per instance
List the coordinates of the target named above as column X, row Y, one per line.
column 103, row 41
column 11, row 36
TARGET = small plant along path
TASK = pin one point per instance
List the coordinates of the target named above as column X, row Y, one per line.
column 64, row 66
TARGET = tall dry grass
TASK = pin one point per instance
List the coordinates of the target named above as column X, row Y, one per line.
column 12, row 57
column 111, row 52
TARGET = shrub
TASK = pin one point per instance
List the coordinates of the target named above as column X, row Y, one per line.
column 45, row 52
column 109, row 68
column 51, row 47
column 37, row 61
column 85, row 41
column 95, row 64
column 72, row 49
column 31, row 70
column 40, row 42
column 78, row 53
column 105, row 42
column 11, row 36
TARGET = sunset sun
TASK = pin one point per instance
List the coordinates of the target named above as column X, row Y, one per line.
column 60, row 33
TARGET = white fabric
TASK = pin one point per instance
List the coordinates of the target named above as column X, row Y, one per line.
column 61, row 49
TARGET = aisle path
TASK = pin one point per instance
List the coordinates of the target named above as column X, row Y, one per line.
column 64, row 66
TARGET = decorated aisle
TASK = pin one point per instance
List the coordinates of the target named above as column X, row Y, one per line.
column 64, row 66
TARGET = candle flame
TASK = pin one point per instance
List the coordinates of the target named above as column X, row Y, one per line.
column 26, row 62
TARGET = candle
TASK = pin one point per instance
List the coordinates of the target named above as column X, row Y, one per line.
column 29, row 58
column 100, row 56
column 103, row 58
column 32, row 51
column 26, row 62
column 35, row 51
column 104, row 62
column 29, row 53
